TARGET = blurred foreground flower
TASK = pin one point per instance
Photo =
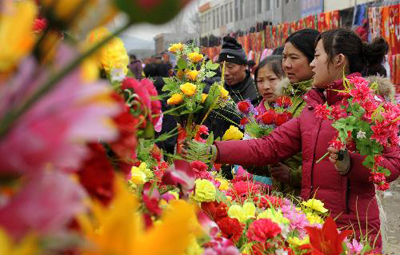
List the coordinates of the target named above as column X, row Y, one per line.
column 120, row 230
column 27, row 246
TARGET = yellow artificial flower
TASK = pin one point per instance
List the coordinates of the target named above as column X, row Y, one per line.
column 195, row 57
column 192, row 75
column 175, row 99
column 224, row 92
column 205, row 191
column 233, row 133
column 203, row 97
column 119, row 229
column 274, row 215
column 188, row 88
column 27, row 246
column 111, row 56
column 176, row 47
column 149, row 174
column 224, row 184
column 297, row 242
column 90, row 70
column 137, row 176
column 314, row 219
column 16, row 32
column 244, row 213
column 315, row 205
column 194, row 247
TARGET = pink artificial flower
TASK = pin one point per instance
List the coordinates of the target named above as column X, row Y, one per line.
column 383, row 186
column 321, row 111
column 209, row 226
column 354, row 248
column 337, row 112
column 46, row 204
column 151, row 198
column 263, row 229
column 337, row 144
column 221, row 246
column 39, row 25
column 56, row 128
column 181, row 174
column 361, row 92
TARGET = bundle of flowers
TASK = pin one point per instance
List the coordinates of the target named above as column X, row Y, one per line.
column 262, row 120
column 366, row 124
column 188, row 100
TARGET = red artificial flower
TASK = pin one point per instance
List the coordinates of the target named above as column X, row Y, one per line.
column 244, row 121
column 377, row 177
column 337, row 144
column 268, row 117
column 97, row 174
column 284, row 101
column 39, row 25
column 281, row 118
column 203, row 130
column 151, row 199
column 155, row 104
column 243, row 188
column 215, row 210
column 321, row 111
column 244, row 106
column 156, row 153
column 326, row 241
column 383, row 186
column 268, row 201
column 337, row 112
column 125, row 146
column 231, row 228
column 182, row 175
column 263, row 229
column 362, row 91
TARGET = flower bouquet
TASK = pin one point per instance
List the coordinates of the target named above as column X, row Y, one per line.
column 365, row 124
column 188, row 102
column 261, row 121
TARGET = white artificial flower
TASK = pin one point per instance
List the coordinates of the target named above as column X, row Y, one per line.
column 117, row 75
column 361, row 134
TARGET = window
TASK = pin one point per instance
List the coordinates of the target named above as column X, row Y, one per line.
column 226, row 14
column 268, row 5
column 287, row 1
column 278, row 3
column 259, row 6
column 217, row 12
column 214, row 17
column 241, row 7
column 231, row 10
column 236, row 10
column 222, row 15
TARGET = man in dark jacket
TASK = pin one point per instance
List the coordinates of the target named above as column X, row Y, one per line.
column 238, row 80
column 136, row 67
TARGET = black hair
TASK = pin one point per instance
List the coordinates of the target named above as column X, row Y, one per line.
column 365, row 58
column 304, row 41
column 251, row 63
column 132, row 56
column 274, row 62
column 278, row 51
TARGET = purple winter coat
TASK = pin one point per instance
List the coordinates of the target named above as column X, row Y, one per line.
column 345, row 195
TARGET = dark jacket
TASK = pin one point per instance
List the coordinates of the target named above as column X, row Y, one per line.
column 244, row 90
column 136, row 69
column 351, row 198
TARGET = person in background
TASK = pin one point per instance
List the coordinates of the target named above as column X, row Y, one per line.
column 238, row 80
column 135, row 66
column 251, row 67
column 342, row 183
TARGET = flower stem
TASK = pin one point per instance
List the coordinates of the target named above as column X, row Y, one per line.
column 15, row 113
column 319, row 160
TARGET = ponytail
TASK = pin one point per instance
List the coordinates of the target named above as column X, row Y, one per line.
column 374, row 54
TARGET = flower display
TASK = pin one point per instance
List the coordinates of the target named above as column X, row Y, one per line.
column 233, row 133
column 188, row 89
column 195, row 57
column 205, row 191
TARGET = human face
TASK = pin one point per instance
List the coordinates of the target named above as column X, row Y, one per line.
column 324, row 71
column 234, row 73
column 267, row 82
column 295, row 64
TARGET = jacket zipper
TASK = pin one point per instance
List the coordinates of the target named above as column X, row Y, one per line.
column 348, row 188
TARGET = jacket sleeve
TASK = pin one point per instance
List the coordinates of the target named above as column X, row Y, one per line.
column 361, row 173
column 282, row 143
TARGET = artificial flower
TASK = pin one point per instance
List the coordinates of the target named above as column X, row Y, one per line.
column 175, row 99
column 268, row 117
column 215, row 210
column 188, row 88
column 204, row 191
column 298, row 242
column 180, row 173
column 16, row 32
column 242, row 213
column 119, row 229
column 224, row 92
column 45, row 204
column 137, row 176
column 192, row 75
column 274, row 215
column 231, row 228
column 27, row 246
column 327, row 240
column 244, row 106
column 263, row 229
column 314, row 219
column 315, row 205
column 195, row 57
column 176, row 47
column 224, row 184
column 39, row 25
column 203, row 97
column 233, row 133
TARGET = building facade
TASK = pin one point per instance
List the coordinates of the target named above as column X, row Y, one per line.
column 220, row 17
column 331, row 5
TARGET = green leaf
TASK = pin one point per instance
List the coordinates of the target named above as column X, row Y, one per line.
column 181, row 64
column 169, row 87
column 210, row 74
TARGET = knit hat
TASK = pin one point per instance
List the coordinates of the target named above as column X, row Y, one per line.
column 232, row 52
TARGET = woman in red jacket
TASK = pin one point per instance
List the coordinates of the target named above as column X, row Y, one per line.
column 343, row 185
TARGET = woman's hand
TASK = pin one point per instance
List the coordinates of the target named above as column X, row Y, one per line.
column 280, row 172
column 341, row 160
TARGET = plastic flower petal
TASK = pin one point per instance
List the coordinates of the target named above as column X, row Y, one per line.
column 205, row 191
column 175, row 99
column 192, row 75
column 176, row 47
column 16, row 32
column 27, row 246
column 274, row 215
column 233, row 133
column 46, row 204
column 315, row 204
column 188, row 88
column 195, row 57
column 182, row 174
